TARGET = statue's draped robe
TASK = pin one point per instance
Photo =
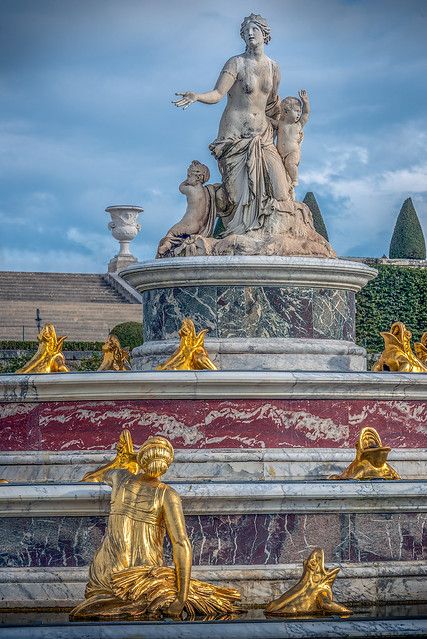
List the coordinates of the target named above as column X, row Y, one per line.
column 127, row 574
column 252, row 170
column 135, row 531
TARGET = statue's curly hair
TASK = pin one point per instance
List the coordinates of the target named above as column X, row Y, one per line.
column 202, row 168
column 260, row 22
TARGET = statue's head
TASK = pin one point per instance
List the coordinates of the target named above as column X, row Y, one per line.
column 257, row 22
column 369, row 447
column 198, row 172
column 155, row 456
column 291, row 108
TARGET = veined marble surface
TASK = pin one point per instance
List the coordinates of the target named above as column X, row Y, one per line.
column 365, row 582
column 226, row 497
column 250, row 312
column 208, row 424
column 190, row 385
column 208, row 464
column 229, row 539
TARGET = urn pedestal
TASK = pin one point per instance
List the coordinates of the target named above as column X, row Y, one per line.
column 124, row 228
column 263, row 313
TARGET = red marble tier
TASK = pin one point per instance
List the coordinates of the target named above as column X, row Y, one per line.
column 240, row 423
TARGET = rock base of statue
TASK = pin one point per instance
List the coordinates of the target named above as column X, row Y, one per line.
column 263, row 313
column 287, row 232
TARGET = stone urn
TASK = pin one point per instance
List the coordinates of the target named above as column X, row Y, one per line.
column 124, row 227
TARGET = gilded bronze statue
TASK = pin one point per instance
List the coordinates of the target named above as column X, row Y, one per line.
column 48, row 358
column 397, row 355
column 371, row 459
column 312, row 595
column 420, row 349
column 191, row 354
column 115, row 358
column 127, row 577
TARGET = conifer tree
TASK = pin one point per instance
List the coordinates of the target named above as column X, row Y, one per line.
column 408, row 240
column 319, row 224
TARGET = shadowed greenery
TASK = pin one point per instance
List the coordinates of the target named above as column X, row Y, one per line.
column 399, row 293
column 318, row 221
column 129, row 334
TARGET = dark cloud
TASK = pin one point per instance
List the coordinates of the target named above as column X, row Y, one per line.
column 87, row 120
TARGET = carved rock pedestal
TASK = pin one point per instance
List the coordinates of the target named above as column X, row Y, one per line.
column 263, row 313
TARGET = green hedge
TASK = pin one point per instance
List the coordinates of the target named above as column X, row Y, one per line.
column 129, row 334
column 19, row 345
column 399, row 293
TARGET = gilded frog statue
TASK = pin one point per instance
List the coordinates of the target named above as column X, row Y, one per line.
column 48, row 358
column 397, row 355
column 371, row 459
column 312, row 595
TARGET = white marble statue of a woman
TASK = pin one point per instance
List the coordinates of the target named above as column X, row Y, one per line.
column 260, row 215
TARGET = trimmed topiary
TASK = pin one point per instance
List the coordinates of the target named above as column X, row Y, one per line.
column 318, row 221
column 129, row 334
column 408, row 241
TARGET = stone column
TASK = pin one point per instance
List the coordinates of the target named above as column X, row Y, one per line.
column 124, row 227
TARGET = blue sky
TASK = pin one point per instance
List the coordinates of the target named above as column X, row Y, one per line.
column 86, row 119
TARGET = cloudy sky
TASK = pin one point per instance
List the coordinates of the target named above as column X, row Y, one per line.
column 86, row 119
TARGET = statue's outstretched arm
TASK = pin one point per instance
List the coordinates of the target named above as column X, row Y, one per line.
column 181, row 547
column 125, row 458
column 305, row 106
column 222, row 86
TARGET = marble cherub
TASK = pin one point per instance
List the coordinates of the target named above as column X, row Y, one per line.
column 199, row 217
column 294, row 113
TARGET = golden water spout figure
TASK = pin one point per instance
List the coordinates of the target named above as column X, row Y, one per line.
column 191, row 354
column 127, row 577
column 397, row 355
column 48, row 358
column 312, row 595
column 115, row 357
column 421, row 349
column 371, row 459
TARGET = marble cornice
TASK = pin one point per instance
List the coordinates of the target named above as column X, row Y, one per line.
column 248, row 270
column 188, row 385
column 204, row 498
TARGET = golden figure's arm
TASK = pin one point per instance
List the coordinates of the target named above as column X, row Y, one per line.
column 181, row 547
column 125, row 459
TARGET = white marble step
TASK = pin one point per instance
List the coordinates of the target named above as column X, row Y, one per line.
column 213, row 385
column 254, row 497
column 234, row 464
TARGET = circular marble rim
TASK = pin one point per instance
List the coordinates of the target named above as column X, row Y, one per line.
column 248, row 270
column 259, row 345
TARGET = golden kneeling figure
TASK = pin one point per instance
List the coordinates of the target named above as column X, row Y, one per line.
column 312, row 595
column 127, row 577
column 371, row 459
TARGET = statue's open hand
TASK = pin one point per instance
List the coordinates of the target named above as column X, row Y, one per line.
column 187, row 98
column 303, row 95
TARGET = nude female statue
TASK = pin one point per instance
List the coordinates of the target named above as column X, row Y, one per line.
column 260, row 215
column 245, row 135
